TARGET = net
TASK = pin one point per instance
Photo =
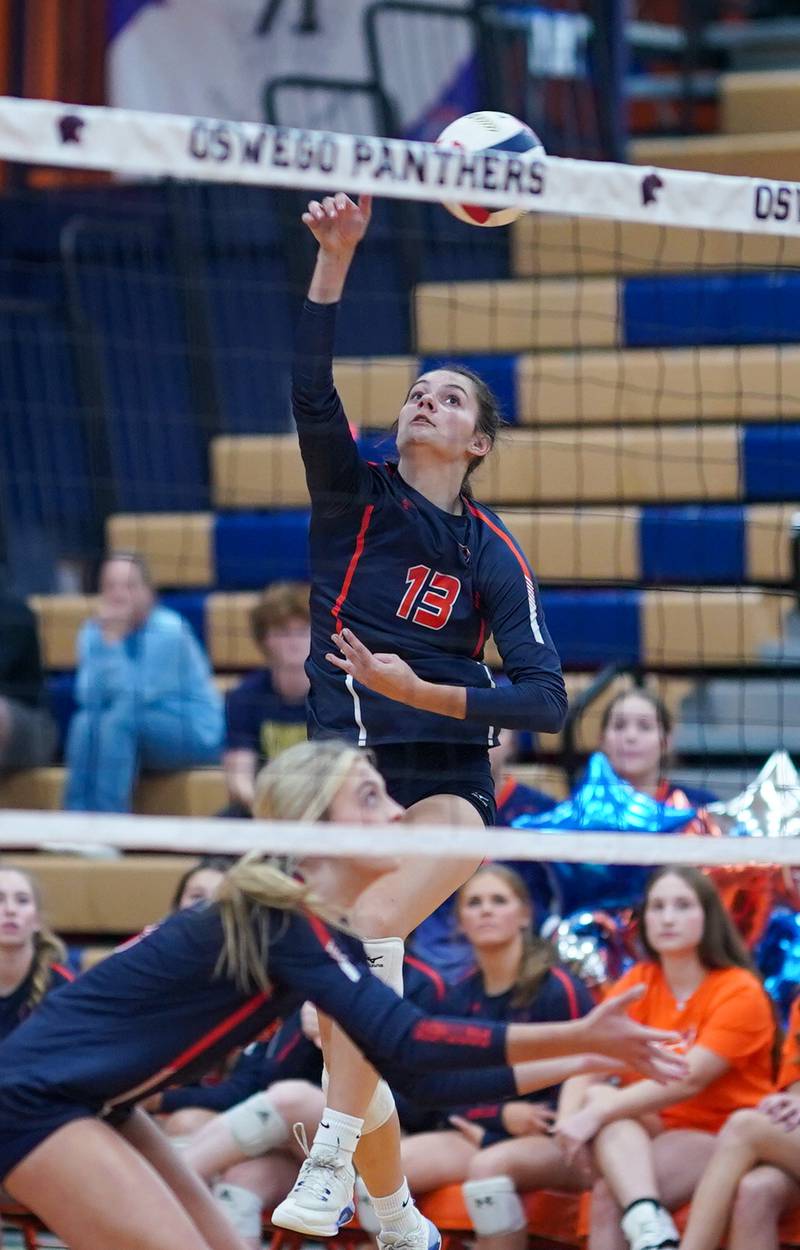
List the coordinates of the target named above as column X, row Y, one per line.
column 639, row 326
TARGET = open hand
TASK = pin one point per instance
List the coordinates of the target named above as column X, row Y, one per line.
column 338, row 223
column 611, row 1031
column 525, row 1119
column 384, row 673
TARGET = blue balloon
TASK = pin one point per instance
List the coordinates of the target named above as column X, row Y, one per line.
column 778, row 958
column 603, row 802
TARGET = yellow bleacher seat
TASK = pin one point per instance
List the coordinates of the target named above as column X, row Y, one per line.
column 672, row 690
column 228, row 631
column 760, row 155
column 546, row 246
column 760, row 101
column 189, row 792
column 724, row 626
column 178, row 546
column 675, row 384
column 572, row 544
column 768, row 555
column 629, row 464
column 544, row 777
column 60, row 618
column 114, row 896
column 257, row 471
column 513, row 316
column 373, row 390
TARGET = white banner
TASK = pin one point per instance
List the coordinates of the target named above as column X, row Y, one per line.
column 143, row 144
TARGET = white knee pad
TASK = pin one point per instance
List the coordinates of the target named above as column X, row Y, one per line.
column 380, row 1108
column 365, row 1210
column 242, row 1207
column 256, row 1126
column 385, row 959
column 494, row 1206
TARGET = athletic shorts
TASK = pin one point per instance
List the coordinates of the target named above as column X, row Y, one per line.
column 27, row 1118
column 416, row 770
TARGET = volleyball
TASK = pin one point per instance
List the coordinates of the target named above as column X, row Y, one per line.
column 491, row 132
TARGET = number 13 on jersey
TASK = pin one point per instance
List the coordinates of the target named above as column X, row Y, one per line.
column 430, row 597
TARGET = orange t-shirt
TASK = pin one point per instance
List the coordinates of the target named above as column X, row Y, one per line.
column 790, row 1055
column 729, row 1014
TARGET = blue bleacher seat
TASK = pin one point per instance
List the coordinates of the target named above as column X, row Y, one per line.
column 254, row 548
column 191, row 604
column 593, row 627
column 712, row 309
column 691, row 544
column 771, row 462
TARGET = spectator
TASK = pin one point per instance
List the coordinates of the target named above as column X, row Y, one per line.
column 516, row 978
column 27, row 730
column 649, row 1141
column 200, row 882
column 144, row 690
column 266, row 712
column 31, row 957
column 753, row 1177
column 636, row 738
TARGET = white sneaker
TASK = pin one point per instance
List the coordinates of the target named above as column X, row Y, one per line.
column 648, row 1226
column 321, row 1200
column 425, row 1237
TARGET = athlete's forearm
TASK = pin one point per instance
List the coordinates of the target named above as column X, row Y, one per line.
column 429, row 696
column 329, row 276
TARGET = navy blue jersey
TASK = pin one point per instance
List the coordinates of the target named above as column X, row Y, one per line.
column 410, row 579
column 14, row 1007
column 258, row 719
column 289, row 1054
column 156, row 1012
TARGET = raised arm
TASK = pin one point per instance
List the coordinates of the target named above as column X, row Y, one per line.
column 337, row 477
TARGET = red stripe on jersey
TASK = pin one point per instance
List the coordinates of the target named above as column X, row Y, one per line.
column 506, row 790
column 219, row 1030
column 351, row 568
column 429, row 972
column 500, row 534
column 453, row 1034
column 480, row 642
column 286, row 1050
column 66, row 973
column 569, row 990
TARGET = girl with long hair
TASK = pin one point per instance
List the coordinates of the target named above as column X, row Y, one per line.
column 32, row 958
column 409, row 577
column 648, row 1142
column 74, row 1146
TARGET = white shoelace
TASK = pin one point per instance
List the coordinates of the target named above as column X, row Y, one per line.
column 318, row 1171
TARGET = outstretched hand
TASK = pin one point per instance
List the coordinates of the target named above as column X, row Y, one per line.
column 338, row 223
column 384, row 673
column 610, row 1030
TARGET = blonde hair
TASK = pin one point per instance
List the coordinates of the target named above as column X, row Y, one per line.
column 48, row 949
column 538, row 956
column 299, row 784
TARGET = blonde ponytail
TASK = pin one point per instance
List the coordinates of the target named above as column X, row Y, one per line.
column 299, row 784
column 47, row 950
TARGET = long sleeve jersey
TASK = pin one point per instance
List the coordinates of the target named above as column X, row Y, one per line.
column 411, row 579
column 157, row 1012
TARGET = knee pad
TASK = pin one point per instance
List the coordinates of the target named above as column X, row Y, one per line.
column 256, row 1126
column 380, row 1108
column 241, row 1206
column 494, row 1206
column 365, row 1210
column 385, row 960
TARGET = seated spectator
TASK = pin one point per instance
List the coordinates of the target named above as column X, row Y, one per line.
column 266, row 712
column 27, row 730
column 516, row 978
column 200, row 882
column 144, row 690
column 31, row 956
column 636, row 737
column 437, row 939
column 647, row 1141
column 753, row 1177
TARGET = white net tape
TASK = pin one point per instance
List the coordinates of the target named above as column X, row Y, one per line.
column 129, row 142
column 68, row 830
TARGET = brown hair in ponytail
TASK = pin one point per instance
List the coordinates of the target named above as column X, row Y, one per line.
column 538, row 956
column 299, row 784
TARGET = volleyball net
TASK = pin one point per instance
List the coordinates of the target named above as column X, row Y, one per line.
column 640, row 326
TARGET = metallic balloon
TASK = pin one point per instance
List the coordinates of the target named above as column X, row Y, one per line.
column 592, row 946
column 769, row 807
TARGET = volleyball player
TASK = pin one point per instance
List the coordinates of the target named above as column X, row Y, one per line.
column 73, row 1145
column 409, row 577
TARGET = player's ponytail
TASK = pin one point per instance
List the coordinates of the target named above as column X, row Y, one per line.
column 299, row 784
column 47, row 950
